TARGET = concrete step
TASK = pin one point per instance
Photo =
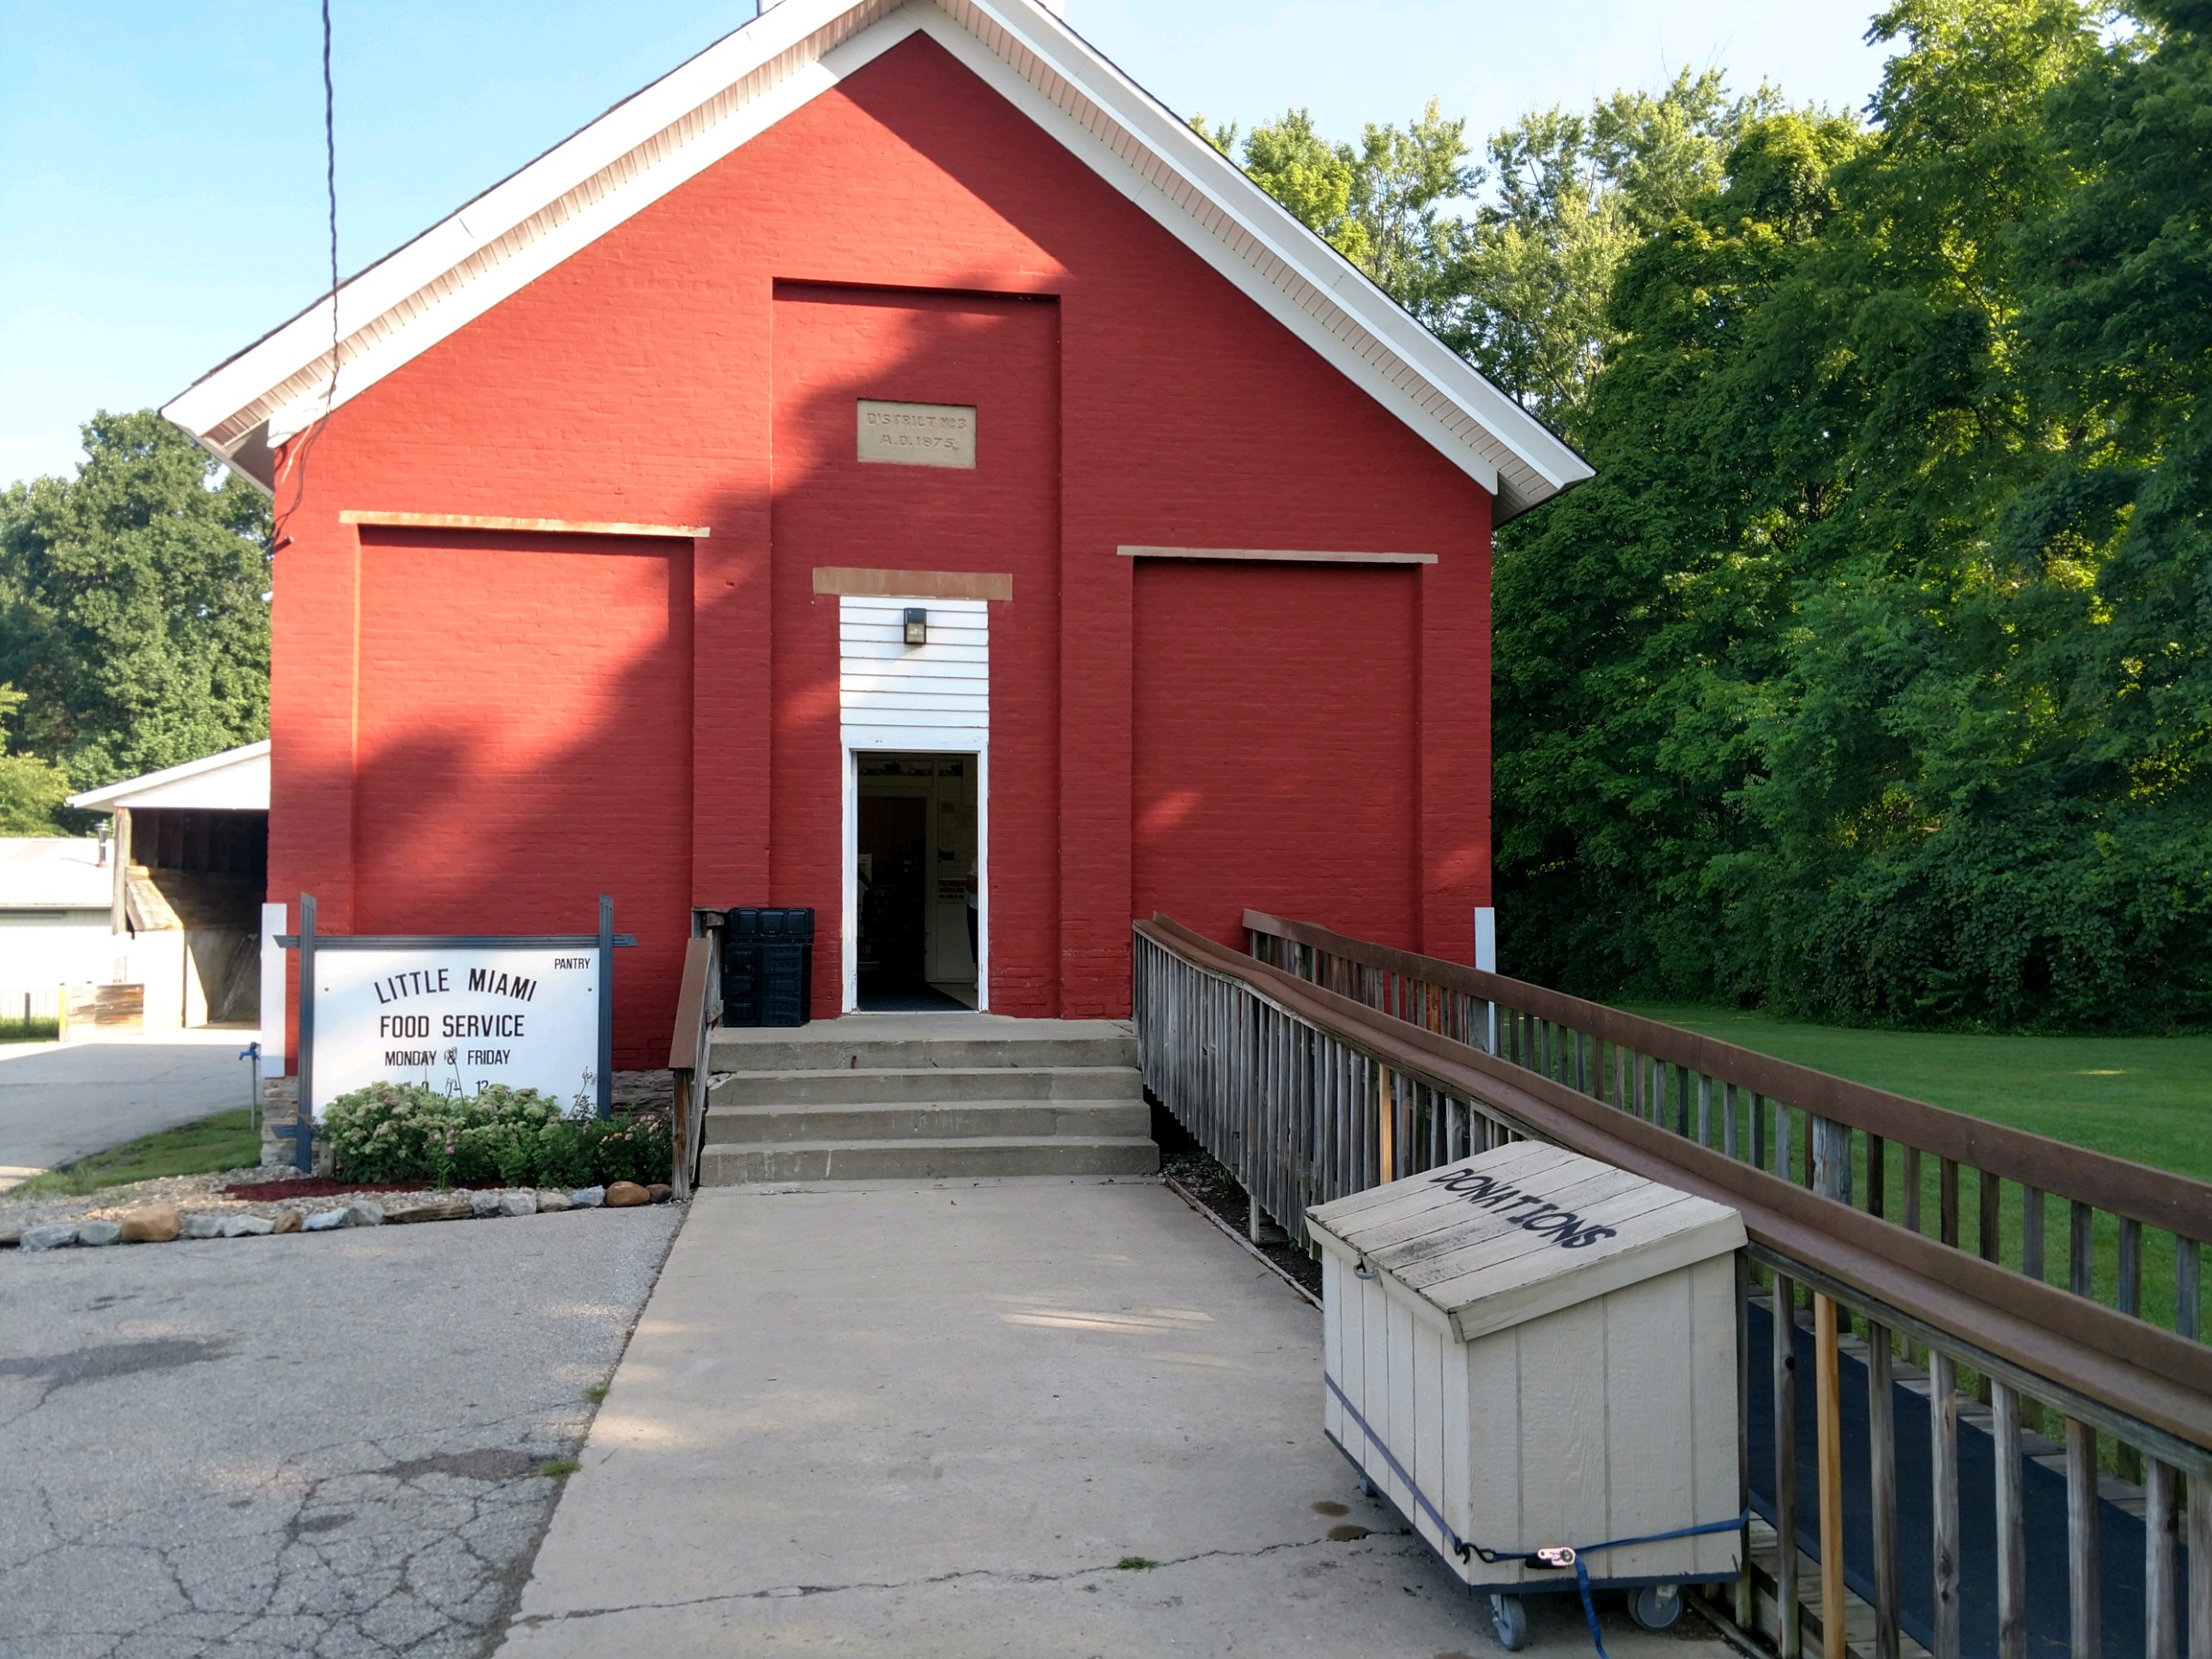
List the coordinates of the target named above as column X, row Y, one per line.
column 938, row 1042
column 928, row 1160
column 958, row 1120
column 864, row 1085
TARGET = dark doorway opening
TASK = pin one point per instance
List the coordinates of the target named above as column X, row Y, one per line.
column 914, row 837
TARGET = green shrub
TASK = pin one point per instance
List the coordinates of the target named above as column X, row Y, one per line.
column 499, row 1136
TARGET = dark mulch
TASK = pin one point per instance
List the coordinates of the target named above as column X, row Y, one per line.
column 322, row 1187
column 1208, row 1181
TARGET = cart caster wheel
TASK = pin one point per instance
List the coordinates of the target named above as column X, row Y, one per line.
column 1655, row 1607
column 1368, row 1488
column 1509, row 1620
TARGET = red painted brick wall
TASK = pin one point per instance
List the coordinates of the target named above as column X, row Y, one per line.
column 639, row 381
column 1276, row 746
column 568, row 745
column 834, row 346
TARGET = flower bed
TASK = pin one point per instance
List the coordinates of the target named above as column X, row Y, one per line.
column 498, row 1137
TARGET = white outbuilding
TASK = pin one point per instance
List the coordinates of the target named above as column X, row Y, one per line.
column 54, row 933
column 185, row 882
column 1531, row 1351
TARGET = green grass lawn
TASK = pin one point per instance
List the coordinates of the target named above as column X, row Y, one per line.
column 226, row 1141
column 33, row 1030
column 2145, row 1098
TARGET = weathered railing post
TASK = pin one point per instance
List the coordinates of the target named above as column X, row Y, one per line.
column 1367, row 1064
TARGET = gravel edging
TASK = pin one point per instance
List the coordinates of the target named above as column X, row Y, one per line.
column 196, row 1207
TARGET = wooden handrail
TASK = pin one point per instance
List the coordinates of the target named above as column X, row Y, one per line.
column 2156, row 1197
column 698, row 1010
column 690, row 1004
column 2064, row 1342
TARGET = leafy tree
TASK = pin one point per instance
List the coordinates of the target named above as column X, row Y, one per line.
column 1869, row 677
column 32, row 791
column 1640, row 615
column 1575, row 194
column 134, row 605
column 1383, row 203
column 1516, row 278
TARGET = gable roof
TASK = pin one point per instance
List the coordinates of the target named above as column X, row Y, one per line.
column 650, row 144
column 235, row 780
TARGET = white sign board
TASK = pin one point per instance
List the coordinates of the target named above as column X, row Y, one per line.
column 455, row 1018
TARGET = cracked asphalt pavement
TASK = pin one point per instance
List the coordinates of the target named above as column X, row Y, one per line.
column 324, row 1444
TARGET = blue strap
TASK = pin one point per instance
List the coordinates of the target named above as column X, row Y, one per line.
column 1463, row 1549
column 1581, row 1572
column 1452, row 1540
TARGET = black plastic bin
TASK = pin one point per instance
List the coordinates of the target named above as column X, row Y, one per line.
column 768, row 966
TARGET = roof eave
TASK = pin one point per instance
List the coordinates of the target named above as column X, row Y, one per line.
column 213, row 408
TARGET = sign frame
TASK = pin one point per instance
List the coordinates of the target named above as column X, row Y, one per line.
column 307, row 942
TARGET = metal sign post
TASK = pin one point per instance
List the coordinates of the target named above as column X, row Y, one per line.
column 606, row 1005
column 303, row 1112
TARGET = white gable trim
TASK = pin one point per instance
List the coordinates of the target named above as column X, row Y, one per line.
column 647, row 146
column 237, row 780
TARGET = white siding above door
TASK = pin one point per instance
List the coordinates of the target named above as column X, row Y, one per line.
column 932, row 697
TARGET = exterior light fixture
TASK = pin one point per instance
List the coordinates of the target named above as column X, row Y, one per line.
column 917, row 627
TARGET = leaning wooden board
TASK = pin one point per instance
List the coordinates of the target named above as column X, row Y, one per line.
column 1530, row 1348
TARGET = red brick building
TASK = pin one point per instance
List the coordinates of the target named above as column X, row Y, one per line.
column 599, row 575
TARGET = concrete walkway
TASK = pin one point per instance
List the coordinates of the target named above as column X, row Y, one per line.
column 61, row 1101
column 932, row 1421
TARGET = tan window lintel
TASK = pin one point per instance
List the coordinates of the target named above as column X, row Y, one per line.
column 917, row 584
column 539, row 526
column 1274, row 556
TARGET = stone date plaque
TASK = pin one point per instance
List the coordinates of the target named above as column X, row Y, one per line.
column 917, row 435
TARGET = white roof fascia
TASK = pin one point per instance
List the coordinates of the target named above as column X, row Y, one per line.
column 295, row 356
column 1266, row 224
column 670, row 132
column 236, row 780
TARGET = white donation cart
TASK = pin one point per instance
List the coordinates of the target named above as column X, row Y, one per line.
column 1532, row 1357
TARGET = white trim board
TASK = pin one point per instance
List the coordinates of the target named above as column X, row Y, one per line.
column 237, row 780
column 744, row 83
column 1274, row 556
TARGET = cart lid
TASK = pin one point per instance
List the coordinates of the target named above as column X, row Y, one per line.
column 1527, row 1229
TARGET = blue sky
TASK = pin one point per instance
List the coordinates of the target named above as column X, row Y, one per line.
column 161, row 163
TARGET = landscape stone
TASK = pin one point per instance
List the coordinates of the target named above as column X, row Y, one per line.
column 201, row 1226
column 627, row 1194
column 660, row 1192
column 364, row 1212
column 588, row 1198
column 288, row 1221
column 323, row 1221
column 522, row 1203
column 55, row 1236
column 247, row 1226
column 94, row 1234
column 485, row 1204
column 454, row 1207
column 153, row 1223
column 550, row 1203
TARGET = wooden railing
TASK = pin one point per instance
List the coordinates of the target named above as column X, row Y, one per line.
column 2127, row 1227
column 1368, row 1065
column 698, row 1011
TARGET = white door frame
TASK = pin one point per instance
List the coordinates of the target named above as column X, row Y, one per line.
column 921, row 740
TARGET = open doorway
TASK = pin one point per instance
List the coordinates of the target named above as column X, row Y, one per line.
column 918, row 881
